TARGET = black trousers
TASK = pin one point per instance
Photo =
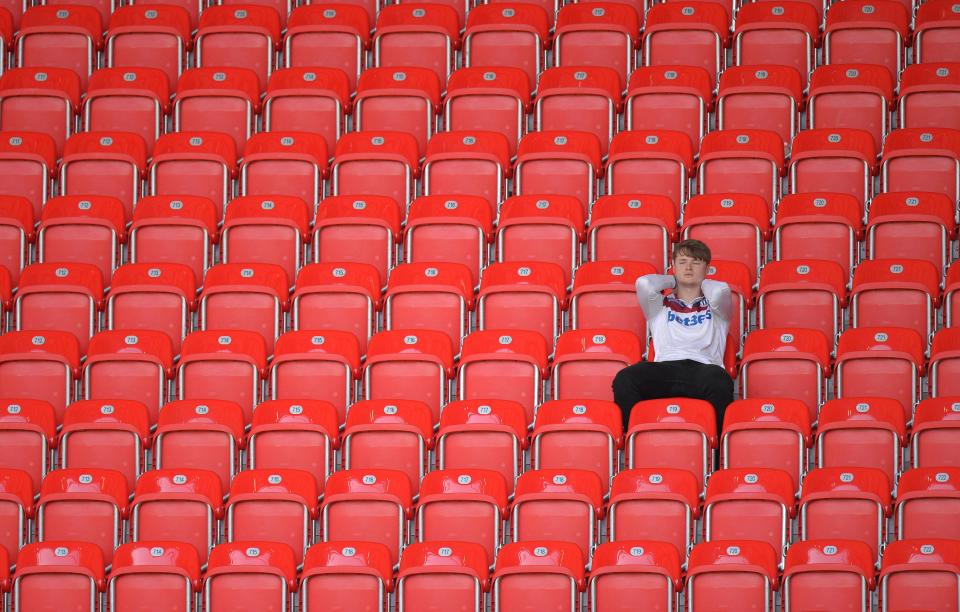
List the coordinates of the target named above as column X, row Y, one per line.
column 661, row 379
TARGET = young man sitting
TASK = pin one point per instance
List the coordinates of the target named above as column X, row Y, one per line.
column 689, row 329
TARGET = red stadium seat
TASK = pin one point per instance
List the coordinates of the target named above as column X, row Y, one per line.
column 473, row 164
column 822, row 226
column 194, row 164
column 586, row 360
column 83, row 504
column 504, row 364
column 82, row 230
column 61, row 36
column 483, row 434
column 880, row 361
column 750, row 504
column 488, row 99
column 508, row 35
column 944, row 354
column 778, row 34
column 310, row 100
column 389, row 434
column 897, row 292
column 739, row 574
column 297, row 434
column 129, row 365
column 245, row 297
column 60, row 297
column 377, row 163
column 851, row 96
column 689, row 34
column 786, row 363
column 218, row 99
column 16, row 234
column 40, row 366
column 558, row 504
column 277, row 505
column 935, row 31
column 741, row 161
column 44, row 100
column 766, row 97
column 58, row 573
column 232, row 36
column 180, row 505
column 152, row 298
column 670, row 97
column 432, row 297
column 862, row 431
column 577, row 97
column 409, row 364
column 425, row 35
column 593, row 34
column 834, row 160
column 338, row 297
column 266, row 229
column 151, row 35
column 346, row 574
column 637, row 573
column 804, row 293
column 560, row 163
column 660, row 504
column 927, row 498
column 200, row 435
column 322, row 38
column 826, row 573
column 285, row 163
column 28, row 432
column 911, row 225
column 436, row 575
column 653, row 164
column 767, row 433
column 921, row 159
column 308, row 364
column 537, row 574
column 867, row 31
column 627, row 228
column 28, row 162
column 382, row 496
column 934, row 425
column 134, row 100
column 404, row 99
column 107, row 164
column 162, row 572
column 227, row 365
column 448, row 229
column 522, row 296
column 250, row 573
column 16, row 510
column 918, row 573
column 538, row 228
column 734, row 224
column 951, row 297
column 672, row 433
column 928, row 96
column 465, row 505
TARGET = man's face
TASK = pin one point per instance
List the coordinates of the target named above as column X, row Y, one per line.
column 688, row 270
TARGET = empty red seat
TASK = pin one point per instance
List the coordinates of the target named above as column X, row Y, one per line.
column 561, row 163
column 218, row 99
column 266, row 229
column 389, row 434
column 277, row 505
column 867, row 31
column 249, row 573
column 786, row 362
column 180, row 505
column 83, row 504
column 670, row 97
column 346, row 574
column 382, row 496
column 951, row 297
column 672, row 433
column 107, row 164
column 558, row 504
column 660, row 504
column 202, row 434
column 824, row 226
column 935, row 31
column 586, row 360
column 99, row 435
column 583, row 98
column 522, row 296
column 409, row 364
column 504, row 364
column 455, row 571
column 58, row 573
column 837, row 160
column 734, row 224
column 538, row 228
column 825, row 573
column 16, row 510
column 155, row 35
column 624, row 228
column 944, row 352
column 463, row 505
column 328, row 37
column 805, row 293
column 16, row 234
column 741, row 161
column 340, row 297
column 766, row 97
column 431, row 297
column 308, row 364
column 636, row 573
column 740, row 574
column 934, row 425
column 152, row 297
column 28, row 434
column 851, row 96
column 127, row 100
column 861, row 431
column 537, row 574
column 27, row 165
column 918, row 572
column 896, row 292
column 912, row 225
column 508, row 34
column 650, row 165
column 60, row 297
column 473, row 164
column 61, row 36
column 598, row 35
column 285, row 163
column 449, row 229
column 311, row 100
column 927, row 498
column 782, row 34
column 129, row 365
column 227, row 365
column 40, row 366
column 403, row 99
column 425, row 35
column 880, row 361
column 245, row 298
column 848, row 503
column 379, row 163
column 163, row 572
column 762, row 433
column 44, row 100
column 921, row 159
column 232, row 36
column 928, row 96
column 297, row 434
column 750, row 504
column 687, row 33
column 85, row 230
column 194, row 164
column 483, row 434
column 488, row 99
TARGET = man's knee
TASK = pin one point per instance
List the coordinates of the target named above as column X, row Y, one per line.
column 718, row 382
